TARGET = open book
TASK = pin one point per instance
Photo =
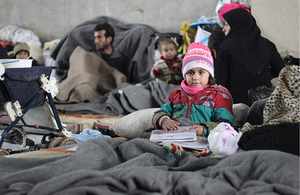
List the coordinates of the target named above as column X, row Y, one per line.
column 184, row 137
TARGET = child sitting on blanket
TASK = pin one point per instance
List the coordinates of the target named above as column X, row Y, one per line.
column 198, row 99
column 168, row 67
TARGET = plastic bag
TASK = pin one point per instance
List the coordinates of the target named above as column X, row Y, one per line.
column 223, row 140
column 16, row 34
column 219, row 7
column 205, row 26
column 260, row 92
column 202, row 36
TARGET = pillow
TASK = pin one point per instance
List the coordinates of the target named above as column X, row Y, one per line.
column 131, row 125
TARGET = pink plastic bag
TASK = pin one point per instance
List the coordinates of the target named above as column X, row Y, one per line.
column 223, row 140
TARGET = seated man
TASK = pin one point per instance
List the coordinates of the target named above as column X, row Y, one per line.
column 103, row 37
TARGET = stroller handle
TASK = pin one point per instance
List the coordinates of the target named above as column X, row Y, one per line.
column 2, row 70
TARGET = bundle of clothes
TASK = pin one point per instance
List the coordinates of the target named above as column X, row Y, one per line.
column 281, row 116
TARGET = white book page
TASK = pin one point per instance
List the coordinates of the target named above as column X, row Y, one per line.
column 183, row 134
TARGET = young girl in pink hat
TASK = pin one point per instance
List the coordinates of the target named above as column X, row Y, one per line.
column 198, row 98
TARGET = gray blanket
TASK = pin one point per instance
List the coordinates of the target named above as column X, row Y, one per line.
column 135, row 40
column 139, row 166
column 126, row 99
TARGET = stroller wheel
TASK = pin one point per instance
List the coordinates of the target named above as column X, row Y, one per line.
column 55, row 142
column 3, row 152
column 68, row 141
column 48, row 138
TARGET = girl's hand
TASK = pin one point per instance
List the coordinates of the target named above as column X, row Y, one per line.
column 169, row 124
column 199, row 129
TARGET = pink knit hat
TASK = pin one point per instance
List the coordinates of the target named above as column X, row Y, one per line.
column 228, row 7
column 198, row 56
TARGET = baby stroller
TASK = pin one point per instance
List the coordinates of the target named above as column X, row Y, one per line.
column 26, row 89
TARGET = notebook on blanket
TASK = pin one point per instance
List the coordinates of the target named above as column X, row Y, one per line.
column 184, row 137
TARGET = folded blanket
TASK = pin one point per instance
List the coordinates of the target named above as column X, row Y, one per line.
column 284, row 103
column 89, row 77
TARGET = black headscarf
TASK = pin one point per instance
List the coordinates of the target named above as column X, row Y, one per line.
column 244, row 41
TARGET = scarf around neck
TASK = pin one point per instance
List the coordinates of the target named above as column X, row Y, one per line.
column 190, row 89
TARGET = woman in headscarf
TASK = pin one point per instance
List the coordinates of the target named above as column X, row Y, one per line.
column 245, row 59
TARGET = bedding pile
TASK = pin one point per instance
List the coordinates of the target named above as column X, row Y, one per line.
column 126, row 99
column 135, row 40
column 139, row 166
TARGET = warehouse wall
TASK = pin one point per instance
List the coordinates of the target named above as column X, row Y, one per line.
column 279, row 22
column 51, row 19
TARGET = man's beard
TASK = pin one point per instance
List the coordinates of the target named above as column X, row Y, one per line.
column 104, row 46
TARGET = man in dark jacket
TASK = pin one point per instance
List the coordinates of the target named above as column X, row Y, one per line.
column 103, row 37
